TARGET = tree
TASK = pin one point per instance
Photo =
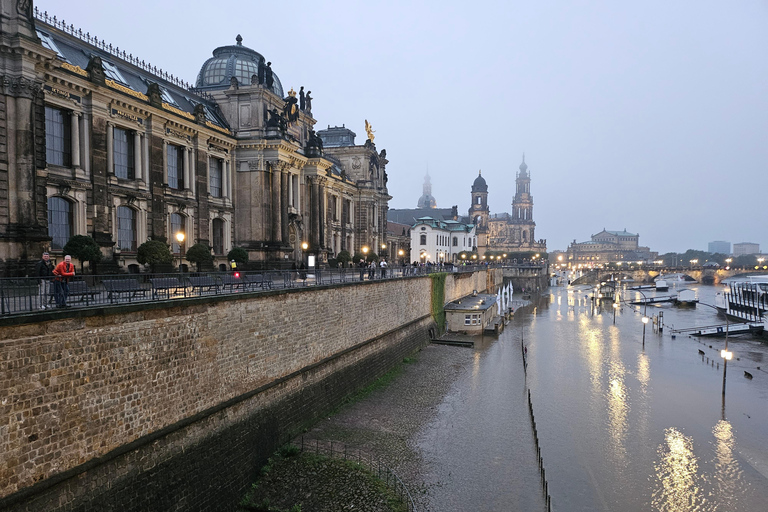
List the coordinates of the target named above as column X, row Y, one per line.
column 199, row 254
column 238, row 254
column 154, row 252
column 84, row 248
column 344, row 257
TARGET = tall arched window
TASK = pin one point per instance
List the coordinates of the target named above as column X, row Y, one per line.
column 218, row 236
column 126, row 228
column 423, row 240
column 59, row 222
column 177, row 226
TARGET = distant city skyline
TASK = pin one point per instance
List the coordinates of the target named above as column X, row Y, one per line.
column 649, row 117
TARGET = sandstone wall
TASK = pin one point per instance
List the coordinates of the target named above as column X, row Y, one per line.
column 113, row 398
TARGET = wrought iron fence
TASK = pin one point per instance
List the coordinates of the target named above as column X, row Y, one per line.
column 25, row 295
column 342, row 452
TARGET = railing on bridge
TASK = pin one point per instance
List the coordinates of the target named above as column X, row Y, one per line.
column 26, row 295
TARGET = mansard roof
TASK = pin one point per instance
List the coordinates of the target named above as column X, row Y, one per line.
column 125, row 73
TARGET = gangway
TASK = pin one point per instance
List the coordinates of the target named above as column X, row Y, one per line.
column 720, row 329
column 659, row 299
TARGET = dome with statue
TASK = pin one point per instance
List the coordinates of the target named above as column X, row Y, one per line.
column 239, row 62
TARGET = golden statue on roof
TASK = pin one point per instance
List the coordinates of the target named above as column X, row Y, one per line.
column 369, row 130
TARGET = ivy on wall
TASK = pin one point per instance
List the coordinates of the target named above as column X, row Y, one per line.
column 438, row 300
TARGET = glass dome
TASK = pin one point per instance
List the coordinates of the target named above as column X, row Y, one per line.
column 233, row 61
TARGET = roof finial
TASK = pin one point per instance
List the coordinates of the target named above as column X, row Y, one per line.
column 480, row 172
column 239, row 40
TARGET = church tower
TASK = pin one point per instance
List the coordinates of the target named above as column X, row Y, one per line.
column 427, row 200
column 479, row 212
column 522, row 206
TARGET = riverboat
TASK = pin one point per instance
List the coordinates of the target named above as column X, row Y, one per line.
column 746, row 300
column 686, row 299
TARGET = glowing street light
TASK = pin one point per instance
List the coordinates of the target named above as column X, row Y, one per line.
column 180, row 239
column 645, row 321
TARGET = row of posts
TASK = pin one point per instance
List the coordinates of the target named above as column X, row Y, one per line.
column 542, row 471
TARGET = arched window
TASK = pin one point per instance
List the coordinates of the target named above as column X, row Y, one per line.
column 177, row 226
column 126, row 228
column 423, row 240
column 59, row 222
column 218, row 236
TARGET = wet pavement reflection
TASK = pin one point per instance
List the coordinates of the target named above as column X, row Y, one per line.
column 621, row 427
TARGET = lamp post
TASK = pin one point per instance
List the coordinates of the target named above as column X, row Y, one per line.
column 728, row 261
column 725, row 354
column 645, row 315
column 180, row 238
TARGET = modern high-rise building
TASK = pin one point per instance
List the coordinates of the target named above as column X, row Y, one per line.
column 719, row 247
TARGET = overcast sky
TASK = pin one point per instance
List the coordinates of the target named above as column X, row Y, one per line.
column 650, row 116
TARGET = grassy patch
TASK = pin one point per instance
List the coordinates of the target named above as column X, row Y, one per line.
column 294, row 482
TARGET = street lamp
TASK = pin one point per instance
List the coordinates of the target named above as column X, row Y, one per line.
column 725, row 354
column 645, row 321
column 645, row 314
column 728, row 261
column 180, row 238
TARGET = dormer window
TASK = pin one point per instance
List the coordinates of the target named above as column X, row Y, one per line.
column 112, row 72
column 167, row 97
column 50, row 44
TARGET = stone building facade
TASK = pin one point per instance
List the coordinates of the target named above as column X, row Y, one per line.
column 94, row 141
column 509, row 233
column 608, row 247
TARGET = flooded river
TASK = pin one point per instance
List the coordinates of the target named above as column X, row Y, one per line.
column 621, row 427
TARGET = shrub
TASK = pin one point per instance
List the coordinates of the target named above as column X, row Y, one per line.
column 84, row 248
column 154, row 252
column 199, row 254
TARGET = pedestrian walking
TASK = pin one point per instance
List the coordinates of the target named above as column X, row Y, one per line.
column 372, row 270
column 63, row 272
column 44, row 273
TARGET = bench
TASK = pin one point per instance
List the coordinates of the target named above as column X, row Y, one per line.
column 204, row 283
column 117, row 287
column 166, row 284
column 80, row 289
column 234, row 282
column 261, row 280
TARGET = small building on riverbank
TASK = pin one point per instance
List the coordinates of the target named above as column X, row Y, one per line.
column 471, row 314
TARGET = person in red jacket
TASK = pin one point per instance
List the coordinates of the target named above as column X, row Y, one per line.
column 63, row 272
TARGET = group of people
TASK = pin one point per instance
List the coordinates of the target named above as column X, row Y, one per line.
column 54, row 279
column 362, row 265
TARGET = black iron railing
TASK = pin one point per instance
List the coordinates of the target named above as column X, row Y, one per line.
column 25, row 295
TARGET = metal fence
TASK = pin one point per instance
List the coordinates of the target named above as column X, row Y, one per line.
column 342, row 452
column 25, row 295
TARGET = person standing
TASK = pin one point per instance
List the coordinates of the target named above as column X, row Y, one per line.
column 44, row 273
column 63, row 272
column 383, row 265
column 361, row 266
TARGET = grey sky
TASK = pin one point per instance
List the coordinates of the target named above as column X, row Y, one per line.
column 650, row 116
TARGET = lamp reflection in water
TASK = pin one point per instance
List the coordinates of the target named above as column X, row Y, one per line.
column 677, row 488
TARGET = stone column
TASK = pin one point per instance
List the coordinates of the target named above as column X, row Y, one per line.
column 165, row 162
column 137, row 167
column 314, row 202
column 226, row 186
column 75, row 140
column 110, row 148
column 276, row 224
column 286, row 179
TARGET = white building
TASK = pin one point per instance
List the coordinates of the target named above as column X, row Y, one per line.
column 745, row 249
column 441, row 240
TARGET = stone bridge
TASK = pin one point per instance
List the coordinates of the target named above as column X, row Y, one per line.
column 700, row 275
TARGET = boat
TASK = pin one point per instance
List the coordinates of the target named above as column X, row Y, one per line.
column 746, row 300
column 661, row 285
column 686, row 299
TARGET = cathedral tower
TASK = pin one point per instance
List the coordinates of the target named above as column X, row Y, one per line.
column 522, row 206
column 427, row 200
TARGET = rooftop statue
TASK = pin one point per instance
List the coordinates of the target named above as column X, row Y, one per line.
column 369, row 130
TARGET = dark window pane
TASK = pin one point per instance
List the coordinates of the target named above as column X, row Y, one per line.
column 218, row 236
column 59, row 222
column 215, row 174
column 123, row 154
column 126, row 228
column 58, row 142
column 175, row 167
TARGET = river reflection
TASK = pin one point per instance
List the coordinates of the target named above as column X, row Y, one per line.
column 621, row 427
